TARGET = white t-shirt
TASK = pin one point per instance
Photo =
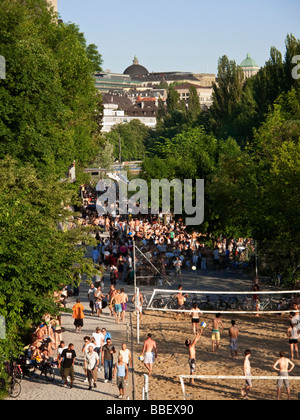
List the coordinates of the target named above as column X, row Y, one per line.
column 125, row 354
column 99, row 339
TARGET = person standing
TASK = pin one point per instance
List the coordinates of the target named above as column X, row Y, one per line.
column 121, row 369
column 177, row 264
column 95, row 255
column 149, row 353
column 283, row 372
column 216, row 254
column 192, row 354
column 293, row 336
column 91, row 298
column 107, row 361
column 247, row 373
column 67, row 362
column 195, row 312
column 217, row 328
column 181, row 299
column 78, row 316
column 233, row 337
column 91, row 363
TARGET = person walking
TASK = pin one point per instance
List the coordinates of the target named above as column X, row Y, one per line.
column 91, row 363
column 67, row 362
column 91, row 298
column 121, row 369
column 149, row 353
column 283, row 370
column 78, row 316
column 247, row 373
column 107, row 361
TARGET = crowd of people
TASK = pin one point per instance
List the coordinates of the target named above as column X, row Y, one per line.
column 97, row 351
column 164, row 248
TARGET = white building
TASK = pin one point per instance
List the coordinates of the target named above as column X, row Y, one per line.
column 112, row 116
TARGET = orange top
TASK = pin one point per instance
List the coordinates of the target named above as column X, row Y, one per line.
column 78, row 311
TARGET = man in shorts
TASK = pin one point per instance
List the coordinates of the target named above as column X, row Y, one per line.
column 192, row 355
column 247, row 373
column 283, row 372
column 67, row 362
column 233, row 336
column 117, row 302
column 121, row 369
column 180, row 301
column 150, row 353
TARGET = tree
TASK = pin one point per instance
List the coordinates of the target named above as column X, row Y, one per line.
column 227, row 93
column 194, row 108
column 37, row 258
column 48, row 99
column 133, row 137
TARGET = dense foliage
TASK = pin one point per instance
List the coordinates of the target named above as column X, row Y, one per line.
column 246, row 148
column 49, row 115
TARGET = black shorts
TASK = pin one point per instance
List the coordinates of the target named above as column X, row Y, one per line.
column 195, row 320
column 78, row 323
column 293, row 341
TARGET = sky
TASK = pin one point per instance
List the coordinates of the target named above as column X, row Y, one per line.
column 182, row 35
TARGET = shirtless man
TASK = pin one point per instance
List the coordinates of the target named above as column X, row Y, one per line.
column 111, row 293
column 217, row 328
column 117, row 302
column 247, row 373
column 283, row 371
column 123, row 303
column 180, row 301
column 233, row 335
column 192, row 355
column 150, row 353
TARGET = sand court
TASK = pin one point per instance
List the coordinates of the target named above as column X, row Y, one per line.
column 265, row 336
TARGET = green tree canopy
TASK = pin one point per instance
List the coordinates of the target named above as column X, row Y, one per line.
column 48, row 99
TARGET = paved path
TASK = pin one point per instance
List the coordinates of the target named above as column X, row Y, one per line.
column 38, row 389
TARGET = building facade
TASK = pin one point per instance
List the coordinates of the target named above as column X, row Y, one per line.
column 249, row 67
column 204, row 93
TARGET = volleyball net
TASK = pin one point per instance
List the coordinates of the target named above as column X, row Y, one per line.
column 227, row 378
column 234, row 302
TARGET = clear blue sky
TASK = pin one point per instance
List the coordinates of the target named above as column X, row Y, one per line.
column 183, row 35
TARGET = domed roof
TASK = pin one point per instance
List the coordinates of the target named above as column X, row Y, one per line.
column 136, row 69
column 248, row 62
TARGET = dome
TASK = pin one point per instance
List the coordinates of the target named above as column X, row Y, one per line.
column 136, row 69
column 249, row 62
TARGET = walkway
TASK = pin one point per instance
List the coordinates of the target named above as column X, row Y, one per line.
column 38, row 389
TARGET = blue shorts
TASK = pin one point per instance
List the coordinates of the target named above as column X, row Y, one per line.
column 118, row 307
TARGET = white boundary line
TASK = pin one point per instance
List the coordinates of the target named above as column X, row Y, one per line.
column 182, row 377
